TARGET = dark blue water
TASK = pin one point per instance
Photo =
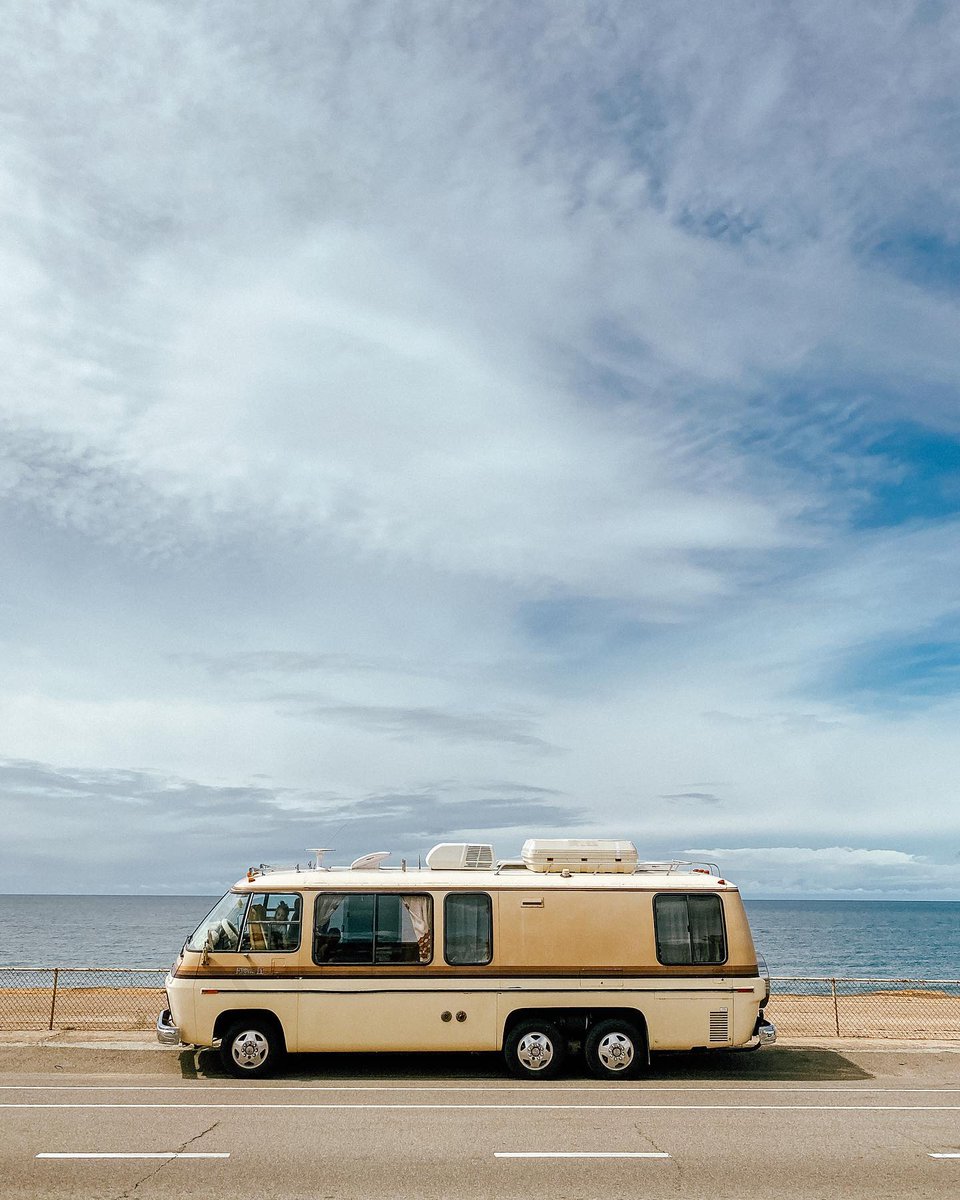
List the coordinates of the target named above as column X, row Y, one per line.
column 850, row 938
column 885, row 939
column 97, row 931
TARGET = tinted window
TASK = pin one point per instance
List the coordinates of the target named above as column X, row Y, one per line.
column 467, row 929
column 273, row 922
column 689, row 929
column 362, row 928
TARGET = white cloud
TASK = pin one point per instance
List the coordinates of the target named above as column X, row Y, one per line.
column 523, row 363
column 835, row 871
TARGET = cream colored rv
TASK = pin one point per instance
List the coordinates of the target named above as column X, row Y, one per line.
column 575, row 945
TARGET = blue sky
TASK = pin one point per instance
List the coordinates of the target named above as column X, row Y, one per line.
column 425, row 421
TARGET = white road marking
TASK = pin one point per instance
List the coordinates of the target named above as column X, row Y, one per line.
column 521, row 1107
column 945, row 1155
column 162, row 1154
column 578, row 1154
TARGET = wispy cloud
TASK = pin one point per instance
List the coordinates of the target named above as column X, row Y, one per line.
column 391, row 395
column 692, row 797
column 127, row 821
column 293, row 662
column 414, row 723
column 836, row 871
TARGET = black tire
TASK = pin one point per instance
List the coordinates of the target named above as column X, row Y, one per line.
column 252, row 1049
column 615, row 1049
column 535, row 1050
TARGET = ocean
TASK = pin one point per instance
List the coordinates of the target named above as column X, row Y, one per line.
column 880, row 939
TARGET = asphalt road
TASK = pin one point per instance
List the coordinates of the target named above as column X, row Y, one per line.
column 786, row 1122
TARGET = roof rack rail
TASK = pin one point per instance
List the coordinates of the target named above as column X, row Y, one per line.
column 674, row 866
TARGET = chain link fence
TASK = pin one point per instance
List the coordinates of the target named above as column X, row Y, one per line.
column 98, row 998
column 80, row 997
column 876, row 1008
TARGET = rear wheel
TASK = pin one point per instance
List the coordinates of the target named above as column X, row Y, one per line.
column 251, row 1049
column 535, row 1050
column 615, row 1049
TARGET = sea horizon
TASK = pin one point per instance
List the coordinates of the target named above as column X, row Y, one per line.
column 797, row 936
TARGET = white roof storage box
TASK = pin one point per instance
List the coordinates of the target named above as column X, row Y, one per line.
column 586, row 857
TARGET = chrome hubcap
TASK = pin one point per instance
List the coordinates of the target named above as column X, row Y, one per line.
column 615, row 1051
column 535, row 1051
column 250, row 1049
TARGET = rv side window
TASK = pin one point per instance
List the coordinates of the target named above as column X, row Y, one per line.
column 273, row 922
column 689, row 929
column 363, row 928
column 467, row 929
column 220, row 931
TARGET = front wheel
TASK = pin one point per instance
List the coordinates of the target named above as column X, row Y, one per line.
column 535, row 1050
column 251, row 1049
column 615, row 1050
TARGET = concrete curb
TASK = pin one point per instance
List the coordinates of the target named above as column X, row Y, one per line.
column 145, row 1042
column 121, row 1039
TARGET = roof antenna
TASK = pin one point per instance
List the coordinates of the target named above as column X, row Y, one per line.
column 319, row 851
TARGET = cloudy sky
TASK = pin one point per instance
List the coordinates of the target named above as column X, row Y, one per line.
column 427, row 421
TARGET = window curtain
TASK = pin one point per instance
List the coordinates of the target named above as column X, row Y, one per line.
column 706, row 929
column 673, row 936
column 326, row 907
column 467, row 921
column 325, row 942
column 419, row 909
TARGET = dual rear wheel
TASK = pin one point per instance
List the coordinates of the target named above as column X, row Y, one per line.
column 614, row 1049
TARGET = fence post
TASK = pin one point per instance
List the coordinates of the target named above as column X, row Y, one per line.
column 53, row 998
column 836, row 1010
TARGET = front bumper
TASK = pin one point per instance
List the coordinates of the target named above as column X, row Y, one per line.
column 168, row 1034
column 765, row 1032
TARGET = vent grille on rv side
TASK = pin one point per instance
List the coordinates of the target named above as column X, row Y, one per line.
column 720, row 1026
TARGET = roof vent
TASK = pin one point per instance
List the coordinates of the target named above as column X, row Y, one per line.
column 369, row 862
column 548, row 855
column 460, row 856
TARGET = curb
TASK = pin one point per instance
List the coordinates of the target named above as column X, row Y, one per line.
column 144, row 1041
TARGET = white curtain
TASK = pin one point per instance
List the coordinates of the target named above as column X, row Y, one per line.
column 419, row 909
column 326, row 907
column 325, row 941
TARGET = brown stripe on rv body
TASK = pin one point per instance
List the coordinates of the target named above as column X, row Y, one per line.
column 451, row 975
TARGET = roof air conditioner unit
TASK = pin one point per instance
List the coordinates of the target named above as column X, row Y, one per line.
column 585, row 857
column 460, row 856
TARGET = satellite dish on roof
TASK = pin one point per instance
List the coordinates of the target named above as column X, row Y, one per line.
column 369, row 862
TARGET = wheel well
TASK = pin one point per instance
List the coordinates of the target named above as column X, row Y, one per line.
column 576, row 1022
column 230, row 1016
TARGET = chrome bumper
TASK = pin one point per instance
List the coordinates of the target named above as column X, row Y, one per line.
column 167, row 1033
column 765, row 1032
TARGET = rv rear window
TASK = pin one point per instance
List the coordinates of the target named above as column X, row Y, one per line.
column 689, row 929
column 467, row 929
column 366, row 928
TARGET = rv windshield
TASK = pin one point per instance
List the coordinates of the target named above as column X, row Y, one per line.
column 221, row 929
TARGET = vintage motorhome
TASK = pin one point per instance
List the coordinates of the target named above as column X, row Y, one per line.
column 575, row 945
